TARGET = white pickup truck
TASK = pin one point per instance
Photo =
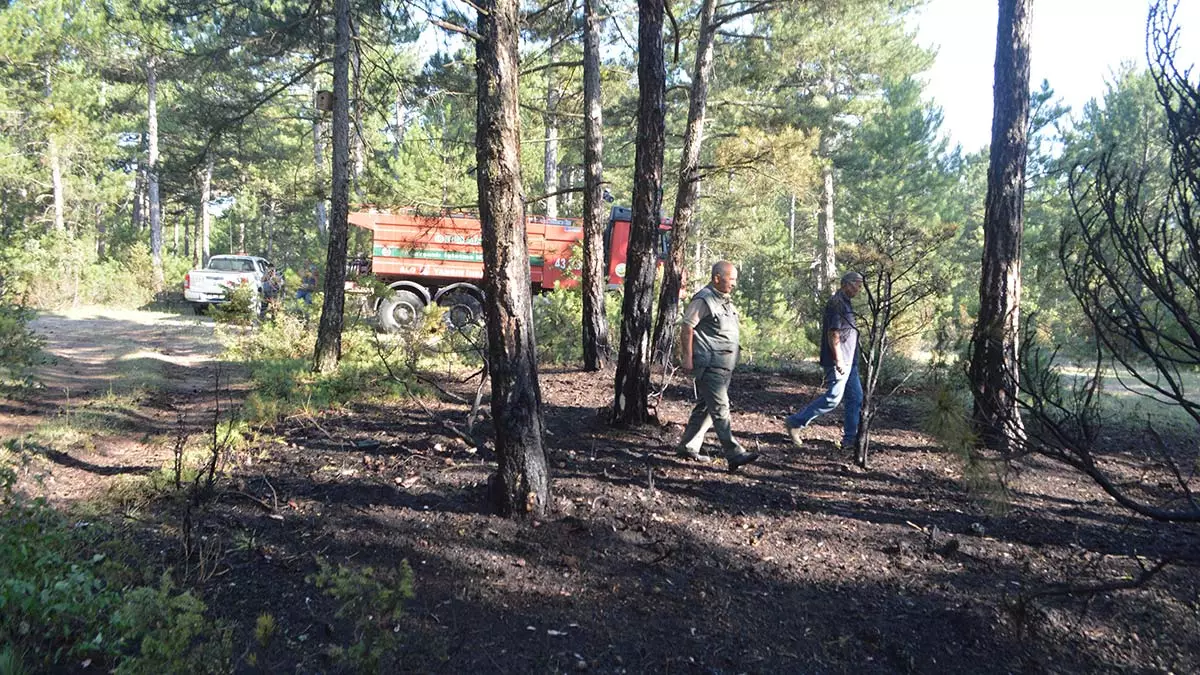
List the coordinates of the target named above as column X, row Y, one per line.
column 207, row 286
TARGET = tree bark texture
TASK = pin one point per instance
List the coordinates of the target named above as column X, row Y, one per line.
column 521, row 485
column 687, row 197
column 631, row 404
column 993, row 369
column 595, row 323
column 329, row 334
column 156, row 233
column 320, row 216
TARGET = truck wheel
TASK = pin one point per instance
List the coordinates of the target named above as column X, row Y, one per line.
column 401, row 310
column 199, row 308
column 462, row 309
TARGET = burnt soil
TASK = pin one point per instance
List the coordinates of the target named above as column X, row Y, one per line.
column 801, row 562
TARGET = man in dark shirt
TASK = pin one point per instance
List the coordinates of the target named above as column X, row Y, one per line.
column 709, row 351
column 839, row 358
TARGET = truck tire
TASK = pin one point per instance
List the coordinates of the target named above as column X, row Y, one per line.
column 400, row 310
column 199, row 308
column 463, row 309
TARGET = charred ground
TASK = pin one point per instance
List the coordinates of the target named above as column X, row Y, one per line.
column 800, row 563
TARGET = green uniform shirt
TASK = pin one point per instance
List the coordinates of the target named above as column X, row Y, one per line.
column 714, row 320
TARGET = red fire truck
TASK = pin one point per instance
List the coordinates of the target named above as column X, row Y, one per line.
column 439, row 259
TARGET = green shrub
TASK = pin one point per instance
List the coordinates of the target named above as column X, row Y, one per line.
column 60, row 603
column 20, row 348
column 240, row 307
column 774, row 342
column 374, row 601
column 59, row 270
column 558, row 324
column 279, row 355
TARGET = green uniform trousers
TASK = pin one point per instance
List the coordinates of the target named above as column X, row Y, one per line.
column 712, row 410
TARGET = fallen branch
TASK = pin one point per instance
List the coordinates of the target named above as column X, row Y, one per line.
column 1093, row 589
column 265, row 506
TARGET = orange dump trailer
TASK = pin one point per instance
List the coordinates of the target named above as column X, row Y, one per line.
column 439, row 259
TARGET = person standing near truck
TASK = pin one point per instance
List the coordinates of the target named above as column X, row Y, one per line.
column 709, row 351
column 308, row 284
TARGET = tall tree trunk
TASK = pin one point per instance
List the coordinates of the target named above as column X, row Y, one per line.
column 521, row 486
column 631, row 405
column 156, row 233
column 318, row 132
column 993, row 369
column 826, row 240
column 137, row 212
column 241, row 232
column 101, row 232
column 687, row 195
column 550, row 158
column 595, row 323
column 329, row 334
column 198, row 228
column 56, row 182
column 205, row 247
column 56, row 177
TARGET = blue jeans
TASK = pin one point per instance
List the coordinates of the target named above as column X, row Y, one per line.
column 845, row 387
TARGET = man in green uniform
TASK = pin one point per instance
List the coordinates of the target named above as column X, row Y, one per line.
column 709, row 349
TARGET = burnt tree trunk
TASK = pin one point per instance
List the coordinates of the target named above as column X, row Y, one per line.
column 993, row 369
column 521, row 485
column 632, row 401
column 329, row 334
column 688, row 194
column 595, row 323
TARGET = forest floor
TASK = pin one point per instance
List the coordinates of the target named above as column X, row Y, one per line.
column 801, row 562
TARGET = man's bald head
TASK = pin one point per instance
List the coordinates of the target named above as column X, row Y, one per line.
column 724, row 276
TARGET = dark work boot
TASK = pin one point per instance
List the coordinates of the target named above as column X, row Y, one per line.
column 741, row 459
column 685, row 452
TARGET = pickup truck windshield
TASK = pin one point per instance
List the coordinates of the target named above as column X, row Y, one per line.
column 231, row 265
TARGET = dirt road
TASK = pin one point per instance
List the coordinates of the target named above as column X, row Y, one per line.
column 117, row 387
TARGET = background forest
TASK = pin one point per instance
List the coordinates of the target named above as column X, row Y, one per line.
column 140, row 138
